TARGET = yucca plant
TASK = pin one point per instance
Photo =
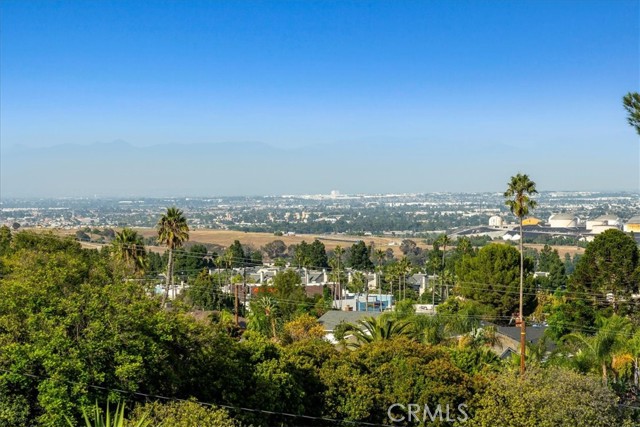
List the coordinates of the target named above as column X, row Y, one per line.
column 108, row 419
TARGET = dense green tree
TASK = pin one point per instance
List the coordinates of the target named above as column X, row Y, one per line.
column 81, row 236
column 492, row 278
column 549, row 398
column 409, row 247
column 5, row 240
column 290, row 293
column 433, row 262
column 156, row 264
column 301, row 255
column 275, row 249
column 235, row 254
column 464, row 246
column 569, row 312
column 362, row 384
column 307, row 357
column 610, row 265
column 190, row 262
column 173, row 231
column 549, row 261
column 312, row 255
column 360, row 257
column 631, row 103
column 205, row 293
column 318, row 254
column 71, row 321
column 254, row 257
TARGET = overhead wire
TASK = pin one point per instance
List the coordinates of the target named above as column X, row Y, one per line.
column 587, row 296
column 206, row 404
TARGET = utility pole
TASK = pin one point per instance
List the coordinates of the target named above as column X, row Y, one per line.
column 235, row 291
column 523, row 327
column 244, row 290
column 339, row 286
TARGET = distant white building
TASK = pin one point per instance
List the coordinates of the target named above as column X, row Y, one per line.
column 563, row 220
column 609, row 221
column 496, row 221
column 513, row 236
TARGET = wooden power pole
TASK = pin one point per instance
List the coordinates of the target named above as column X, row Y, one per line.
column 235, row 291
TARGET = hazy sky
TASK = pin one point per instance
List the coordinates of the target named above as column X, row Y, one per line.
column 545, row 76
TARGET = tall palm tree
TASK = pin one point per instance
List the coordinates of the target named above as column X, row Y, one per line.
column 444, row 241
column 173, row 231
column 600, row 349
column 128, row 247
column 336, row 274
column 404, row 268
column 634, row 349
column 379, row 256
column 518, row 195
column 264, row 316
column 464, row 245
column 359, row 284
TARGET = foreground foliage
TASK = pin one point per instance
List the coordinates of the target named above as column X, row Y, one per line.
column 550, row 398
column 75, row 329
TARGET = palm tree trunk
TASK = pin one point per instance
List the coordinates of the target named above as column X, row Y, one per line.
column 169, row 281
column 636, row 373
column 273, row 327
column 366, row 296
column 523, row 328
column 604, row 373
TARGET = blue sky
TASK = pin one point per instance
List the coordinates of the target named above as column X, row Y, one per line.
column 544, row 76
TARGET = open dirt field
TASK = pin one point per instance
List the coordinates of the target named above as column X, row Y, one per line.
column 226, row 237
column 257, row 240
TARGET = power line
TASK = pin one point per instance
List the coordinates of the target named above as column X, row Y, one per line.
column 206, row 404
column 589, row 297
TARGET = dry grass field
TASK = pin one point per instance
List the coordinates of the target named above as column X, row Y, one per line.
column 257, row 240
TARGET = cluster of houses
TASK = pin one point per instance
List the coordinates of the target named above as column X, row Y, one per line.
column 370, row 299
column 350, row 307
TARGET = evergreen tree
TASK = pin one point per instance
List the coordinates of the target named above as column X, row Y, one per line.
column 235, row 254
column 360, row 257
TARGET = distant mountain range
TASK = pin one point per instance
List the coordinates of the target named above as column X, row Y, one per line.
column 248, row 168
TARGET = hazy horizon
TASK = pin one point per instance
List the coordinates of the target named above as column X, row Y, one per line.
column 88, row 171
column 240, row 98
